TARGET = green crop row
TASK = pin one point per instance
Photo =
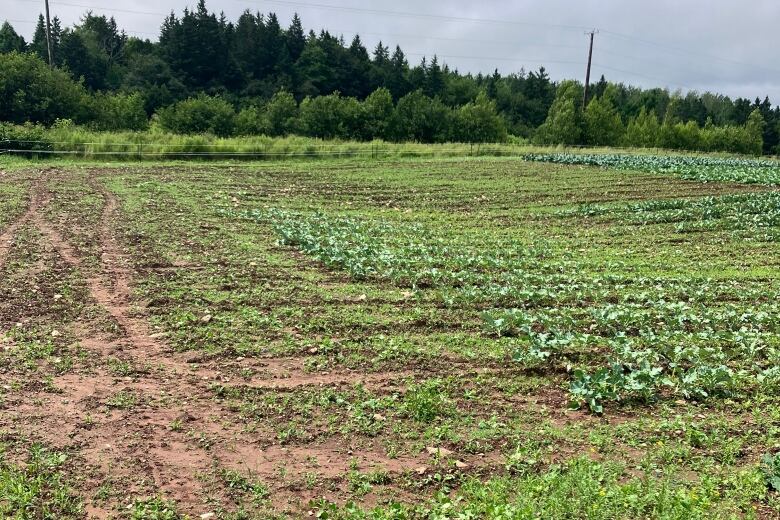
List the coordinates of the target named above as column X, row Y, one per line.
column 625, row 338
column 698, row 168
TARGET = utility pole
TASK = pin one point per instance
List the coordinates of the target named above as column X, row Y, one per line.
column 587, row 74
column 48, row 35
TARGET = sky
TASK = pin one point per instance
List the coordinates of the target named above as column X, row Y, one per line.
column 722, row 46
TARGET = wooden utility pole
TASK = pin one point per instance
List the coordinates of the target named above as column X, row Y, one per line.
column 48, row 35
column 587, row 74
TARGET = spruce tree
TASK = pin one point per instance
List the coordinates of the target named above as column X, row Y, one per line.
column 10, row 41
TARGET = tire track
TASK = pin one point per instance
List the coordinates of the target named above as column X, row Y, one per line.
column 37, row 201
column 139, row 444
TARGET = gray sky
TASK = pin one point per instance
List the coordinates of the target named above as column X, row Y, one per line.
column 720, row 45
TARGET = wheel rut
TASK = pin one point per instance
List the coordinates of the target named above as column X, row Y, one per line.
column 175, row 432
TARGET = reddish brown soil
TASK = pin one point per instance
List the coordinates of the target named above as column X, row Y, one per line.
column 137, row 448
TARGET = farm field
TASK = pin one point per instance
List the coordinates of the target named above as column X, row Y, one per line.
column 398, row 338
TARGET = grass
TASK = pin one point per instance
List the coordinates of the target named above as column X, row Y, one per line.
column 357, row 313
column 36, row 488
column 157, row 146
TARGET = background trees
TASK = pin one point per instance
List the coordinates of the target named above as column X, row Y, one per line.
column 264, row 71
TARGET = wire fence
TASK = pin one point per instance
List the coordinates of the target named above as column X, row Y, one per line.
column 157, row 150
column 140, row 151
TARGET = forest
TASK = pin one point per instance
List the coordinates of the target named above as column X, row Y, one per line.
column 252, row 76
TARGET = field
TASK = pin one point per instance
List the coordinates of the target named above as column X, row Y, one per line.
column 395, row 338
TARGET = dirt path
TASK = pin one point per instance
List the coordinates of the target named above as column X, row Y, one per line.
column 172, row 437
column 136, row 448
column 37, row 201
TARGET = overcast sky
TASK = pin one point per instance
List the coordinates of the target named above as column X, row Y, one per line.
column 723, row 46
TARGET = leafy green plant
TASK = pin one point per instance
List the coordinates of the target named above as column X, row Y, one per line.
column 426, row 401
column 770, row 467
column 155, row 508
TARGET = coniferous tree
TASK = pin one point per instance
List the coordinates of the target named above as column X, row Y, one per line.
column 38, row 44
column 295, row 39
column 10, row 40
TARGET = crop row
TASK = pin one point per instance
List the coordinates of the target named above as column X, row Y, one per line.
column 686, row 336
column 756, row 212
column 699, row 168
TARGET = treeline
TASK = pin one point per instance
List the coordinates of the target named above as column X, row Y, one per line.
column 245, row 63
column 601, row 124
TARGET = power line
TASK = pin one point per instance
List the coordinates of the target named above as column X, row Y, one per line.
column 680, row 50
column 516, row 60
column 407, row 14
column 98, row 8
column 466, row 40
column 598, row 65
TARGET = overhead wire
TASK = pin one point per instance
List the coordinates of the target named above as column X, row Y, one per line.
column 409, row 14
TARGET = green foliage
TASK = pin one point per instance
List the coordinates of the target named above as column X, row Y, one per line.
column 755, row 127
column 253, row 59
column 202, row 114
column 118, row 112
column 690, row 167
column 10, row 40
column 426, row 401
column 155, row 508
column 281, row 114
column 679, row 136
column 478, row 122
column 420, row 118
column 642, row 131
column 27, row 85
column 330, row 116
column 37, row 489
column 580, row 488
column 603, row 126
column 770, row 467
column 564, row 121
column 377, row 115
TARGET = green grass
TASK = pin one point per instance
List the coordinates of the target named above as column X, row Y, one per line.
column 464, row 304
column 35, row 488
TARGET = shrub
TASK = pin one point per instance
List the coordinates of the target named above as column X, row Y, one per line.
column 251, row 121
column 603, row 126
column 281, row 114
column 377, row 112
column 564, row 120
column 119, row 112
column 27, row 86
column 420, row 118
column 642, row 131
column 478, row 122
column 201, row 114
column 330, row 116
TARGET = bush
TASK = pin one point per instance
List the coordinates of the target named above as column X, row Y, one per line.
column 680, row 136
column 24, row 137
column 603, row 126
column 564, row 120
column 281, row 114
column 119, row 112
column 377, row 113
column 251, row 121
column 330, row 116
column 643, row 130
column 28, row 87
column 202, row 114
column 420, row 118
column 478, row 122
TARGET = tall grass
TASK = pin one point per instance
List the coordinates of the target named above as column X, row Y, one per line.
column 37, row 142
column 151, row 146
